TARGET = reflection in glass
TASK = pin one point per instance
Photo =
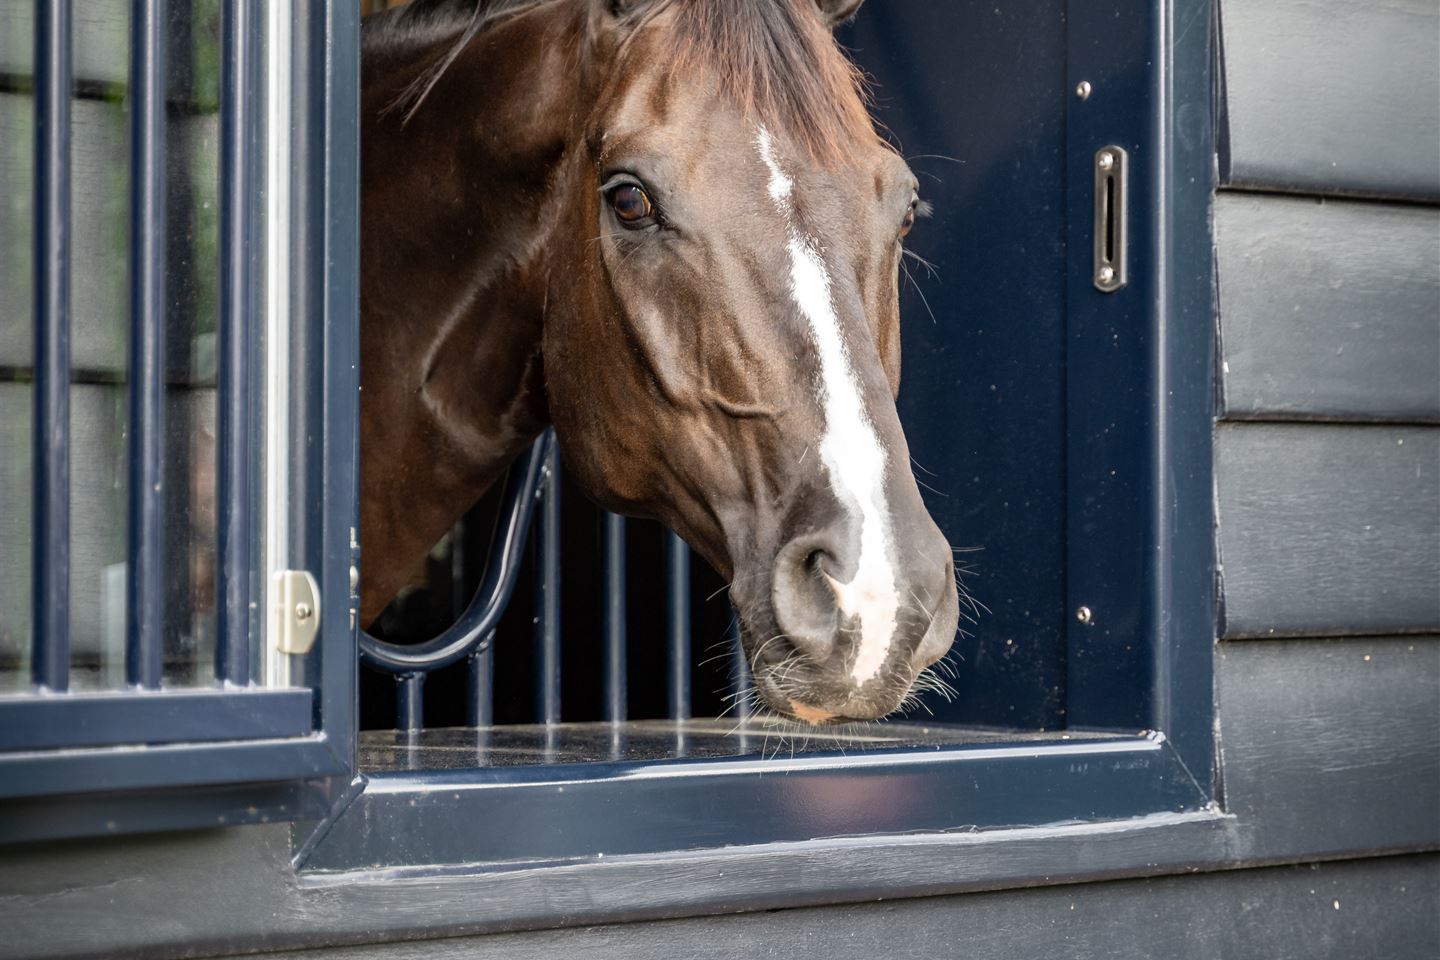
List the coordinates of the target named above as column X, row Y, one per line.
column 99, row 376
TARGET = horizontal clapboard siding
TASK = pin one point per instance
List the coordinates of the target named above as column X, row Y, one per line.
column 1331, row 738
column 1363, row 909
column 1328, row 529
column 1332, row 96
column 1328, row 311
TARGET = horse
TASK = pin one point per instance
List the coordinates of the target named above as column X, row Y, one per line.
column 670, row 229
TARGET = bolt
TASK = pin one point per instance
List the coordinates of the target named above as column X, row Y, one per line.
column 303, row 611
column 1083, row 90
column 1107, row 274
column 1084, row 615
column 1106, row 161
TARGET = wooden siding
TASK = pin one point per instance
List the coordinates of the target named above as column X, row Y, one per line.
column 1327, row 529
column 1328, row 310
column 1371, row 908
column 1332, row 96
column 1332, row 736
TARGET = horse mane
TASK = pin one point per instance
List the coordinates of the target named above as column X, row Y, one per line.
column 776, row 58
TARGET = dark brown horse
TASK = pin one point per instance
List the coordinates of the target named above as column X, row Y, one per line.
column 669, row 228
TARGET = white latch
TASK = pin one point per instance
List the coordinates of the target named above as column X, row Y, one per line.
column 297, row 611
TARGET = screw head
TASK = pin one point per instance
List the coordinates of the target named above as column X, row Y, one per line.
column 303, row 611
column 1084, row 615
column 1082, row 90
column 1107, row 274
column 1106, row 161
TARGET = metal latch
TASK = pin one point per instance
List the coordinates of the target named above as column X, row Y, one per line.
column 1110, row 218
column 297, row 611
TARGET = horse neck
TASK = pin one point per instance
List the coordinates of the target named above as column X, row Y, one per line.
column 456, row 211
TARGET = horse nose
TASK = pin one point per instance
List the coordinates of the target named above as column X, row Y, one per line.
column 834, row 603
column 805, row 605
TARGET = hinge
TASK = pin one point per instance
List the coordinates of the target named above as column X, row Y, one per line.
column 297, row 611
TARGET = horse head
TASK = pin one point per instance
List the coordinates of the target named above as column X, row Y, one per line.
column 722, row 345
column 716, row 247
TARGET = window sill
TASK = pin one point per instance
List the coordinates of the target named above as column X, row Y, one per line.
column 941, row 783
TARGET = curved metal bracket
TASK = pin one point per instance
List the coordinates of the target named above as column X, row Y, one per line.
column 476, row 626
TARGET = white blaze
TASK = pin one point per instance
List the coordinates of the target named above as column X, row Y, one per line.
column 853, row 456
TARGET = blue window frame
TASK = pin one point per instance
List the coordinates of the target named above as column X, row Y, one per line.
column 1105, row 401
column 271, row 735
column 1121, row 435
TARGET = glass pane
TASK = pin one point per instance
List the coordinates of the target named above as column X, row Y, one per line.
column 192, row 288
column 99, row 221
column 99, row 376
column 17, row 133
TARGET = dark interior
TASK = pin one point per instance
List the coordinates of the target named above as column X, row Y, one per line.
column 982, row 401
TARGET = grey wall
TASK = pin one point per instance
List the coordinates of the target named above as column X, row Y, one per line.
column 1331, row 97
column 1327, row 450
column 1348, row 911
column 1329, row 319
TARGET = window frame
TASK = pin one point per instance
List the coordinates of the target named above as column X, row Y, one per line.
column 1158, row 515
column 244, row 754
column 1141, row 556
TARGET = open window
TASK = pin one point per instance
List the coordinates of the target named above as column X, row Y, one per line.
column 1059, row 419
column 1062, row 427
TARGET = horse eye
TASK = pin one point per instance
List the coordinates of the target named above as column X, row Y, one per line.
column 908, row 223
column 631, row 204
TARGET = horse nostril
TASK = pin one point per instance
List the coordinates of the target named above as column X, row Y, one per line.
column 802, row 599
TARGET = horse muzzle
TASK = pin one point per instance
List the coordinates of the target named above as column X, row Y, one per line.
column 847, row 634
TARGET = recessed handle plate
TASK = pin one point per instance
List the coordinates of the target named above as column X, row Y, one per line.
column 1111, row 188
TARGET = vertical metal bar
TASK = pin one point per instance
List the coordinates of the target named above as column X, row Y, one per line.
column 740, row 668
column 547, row 619
column 677, row 565
column 614, row 618
column 145, row 596
column 459, row 559
column 284, row 386
column 410, row 701
column 233, row 482
column 480, row 699
column 50, row 662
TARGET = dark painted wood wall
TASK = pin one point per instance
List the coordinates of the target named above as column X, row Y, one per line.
column 1327, row 446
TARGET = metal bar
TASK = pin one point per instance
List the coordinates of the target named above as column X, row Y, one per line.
column 677, row 565
column 477, row 625
column 614, row 618
column 288, row 259
column 480, row 701
column 740, row 670
column 459, row 560
column 198, row 715
column 547, row 597
column 145, row 587
column 50, row 661
column 233, row 482
column 410, row 701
